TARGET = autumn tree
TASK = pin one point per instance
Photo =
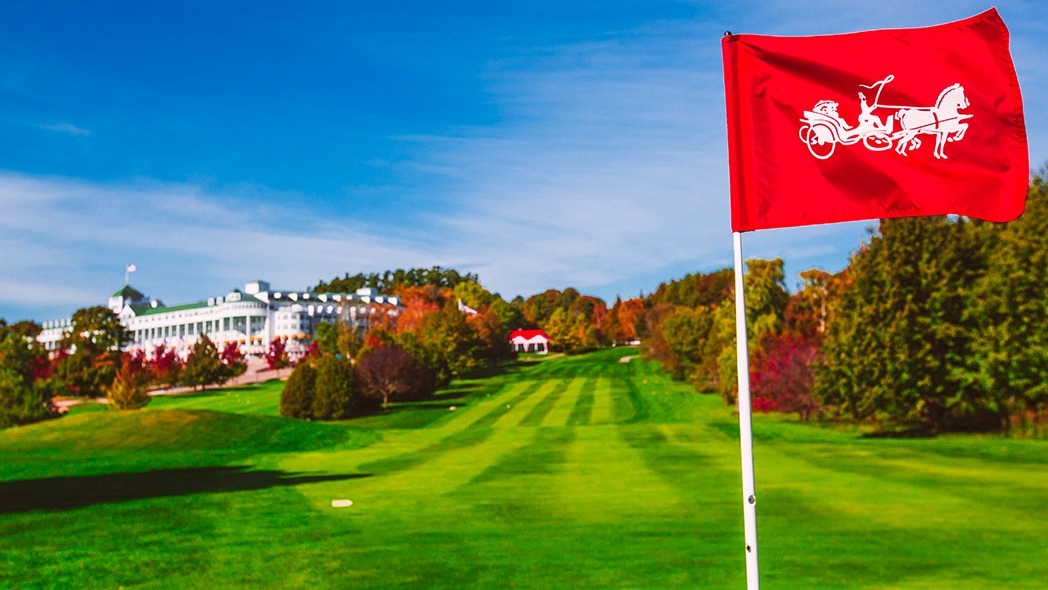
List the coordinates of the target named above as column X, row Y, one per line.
column 276, row 354
column 538, row 308
column 509, row 313
column 128, row 389
column 389, row 372
column 783, row 373
column 629, row 315
column 687, row 333
column 233, row 362
column 447, row 333
column 492, row 336
column 419, row 302
column 565, row 330
column 164, row 367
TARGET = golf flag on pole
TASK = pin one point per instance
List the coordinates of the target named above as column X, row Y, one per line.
column 890, row 123
column 877, row 124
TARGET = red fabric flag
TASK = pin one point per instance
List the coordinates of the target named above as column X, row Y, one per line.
column 887, row 123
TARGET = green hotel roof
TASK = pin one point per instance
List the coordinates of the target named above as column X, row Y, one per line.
column 128, row 292
column 144, row 310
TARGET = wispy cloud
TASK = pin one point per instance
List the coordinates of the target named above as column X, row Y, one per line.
column 67, row 128
column 608, row 167
column 67, row 238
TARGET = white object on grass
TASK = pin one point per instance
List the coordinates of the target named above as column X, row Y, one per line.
column 341, row 503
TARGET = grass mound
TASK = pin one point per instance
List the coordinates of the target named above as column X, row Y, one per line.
column 180, row 430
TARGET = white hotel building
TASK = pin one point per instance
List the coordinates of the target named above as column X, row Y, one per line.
column 252, row 317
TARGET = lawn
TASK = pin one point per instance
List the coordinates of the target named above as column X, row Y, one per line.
column 562, row 473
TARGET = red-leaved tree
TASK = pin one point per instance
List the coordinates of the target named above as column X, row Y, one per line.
column 276, row 355
column 164, row 365
column 233, row 359
column 783, row 374
column 389, row 372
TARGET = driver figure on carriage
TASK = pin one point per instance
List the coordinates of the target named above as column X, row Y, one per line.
column 867, row 120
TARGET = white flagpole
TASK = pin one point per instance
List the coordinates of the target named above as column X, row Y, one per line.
column 749, row 498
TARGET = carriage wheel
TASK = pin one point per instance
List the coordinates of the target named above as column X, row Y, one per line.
column 804, row 133
column 820, row 141
column 877, row 142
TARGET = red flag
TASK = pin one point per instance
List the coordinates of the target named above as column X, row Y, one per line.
column 887, row 123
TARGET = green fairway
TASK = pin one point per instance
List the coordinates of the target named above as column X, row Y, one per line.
column 262, row 398
column 568, row 472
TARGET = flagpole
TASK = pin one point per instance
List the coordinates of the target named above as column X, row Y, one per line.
column 749, row 498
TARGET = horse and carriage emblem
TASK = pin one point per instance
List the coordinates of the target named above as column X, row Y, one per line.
column 824, row 128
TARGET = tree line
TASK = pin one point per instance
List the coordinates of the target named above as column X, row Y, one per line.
column 937, row 324
column 391, row 281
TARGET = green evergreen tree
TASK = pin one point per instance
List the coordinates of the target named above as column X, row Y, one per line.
column 336, row 395
column 203, row 367
column 1011, row 315
column 897, row 344
column 296, row 399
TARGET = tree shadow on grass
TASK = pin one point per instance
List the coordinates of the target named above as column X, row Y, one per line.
column 67, row 493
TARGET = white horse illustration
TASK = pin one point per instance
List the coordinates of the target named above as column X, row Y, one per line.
column 943, row 120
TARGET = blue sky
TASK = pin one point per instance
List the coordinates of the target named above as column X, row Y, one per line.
column 538, row 144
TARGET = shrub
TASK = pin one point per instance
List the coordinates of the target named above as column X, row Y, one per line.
column 296, row 401
column 128, row 390
column 336, row 395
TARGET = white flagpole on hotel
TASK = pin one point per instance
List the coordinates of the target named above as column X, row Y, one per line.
column 749, row 498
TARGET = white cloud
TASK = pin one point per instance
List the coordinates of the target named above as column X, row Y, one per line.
column 67, row 128
column 608, row 167
column 66, row 243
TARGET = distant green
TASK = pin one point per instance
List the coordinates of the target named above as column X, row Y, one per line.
column 569, row 472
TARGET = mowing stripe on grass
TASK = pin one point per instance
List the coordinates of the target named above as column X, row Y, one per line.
column 604, row 395
column 470, row 427
column 505, row 403
column 582, row 413
column 544, row 454
column 522, row 406
column 622, row 408
column 426, row 489
column 561, row 412
column 554, row 389
column 606, row 480
column 637, row 401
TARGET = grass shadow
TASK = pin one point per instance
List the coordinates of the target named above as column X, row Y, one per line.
column 71, row 492
column 916, row 432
